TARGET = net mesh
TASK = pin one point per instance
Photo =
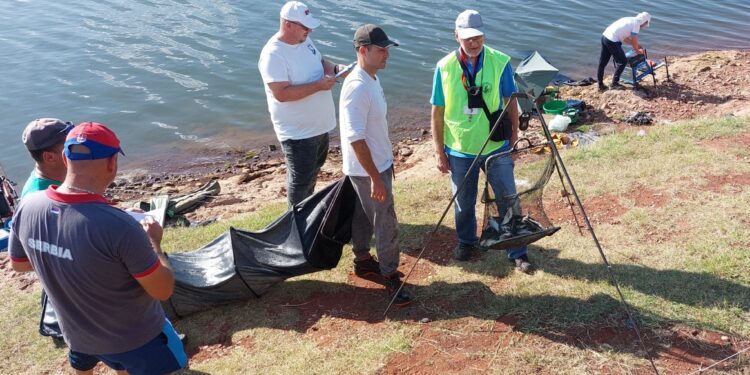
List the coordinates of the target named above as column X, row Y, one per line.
column 513, row 220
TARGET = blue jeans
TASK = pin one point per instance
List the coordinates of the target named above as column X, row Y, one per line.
column 304, row 157
column 500, row 177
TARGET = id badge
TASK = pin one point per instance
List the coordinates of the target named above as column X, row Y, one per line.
column 471, row 111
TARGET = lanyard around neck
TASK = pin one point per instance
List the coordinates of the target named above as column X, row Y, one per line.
column 468, row 75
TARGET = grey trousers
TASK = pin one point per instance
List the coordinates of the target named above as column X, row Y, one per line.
column 377, row 218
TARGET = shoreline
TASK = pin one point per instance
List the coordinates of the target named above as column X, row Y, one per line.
column 707, row 84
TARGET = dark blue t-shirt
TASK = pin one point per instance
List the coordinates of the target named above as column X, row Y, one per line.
column 88, row 255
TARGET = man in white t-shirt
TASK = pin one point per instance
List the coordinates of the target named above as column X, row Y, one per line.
column 625, row 29
column 368, row 161
column 298, row 83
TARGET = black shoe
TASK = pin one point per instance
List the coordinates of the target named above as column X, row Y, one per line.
column 603, row 88
column 367, row 267
column 617, row 86
column 523, row 264
column 391, row 286
column 462, row 252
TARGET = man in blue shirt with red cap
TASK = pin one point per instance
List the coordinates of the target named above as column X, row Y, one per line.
column 104, row 272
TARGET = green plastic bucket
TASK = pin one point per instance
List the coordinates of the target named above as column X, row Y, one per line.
column 572, row 113
column 555, row 107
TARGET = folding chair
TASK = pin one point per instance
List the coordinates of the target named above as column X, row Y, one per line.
column 638, row 68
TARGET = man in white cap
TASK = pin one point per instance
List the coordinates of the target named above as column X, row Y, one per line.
column 298, row 83
column 44, row 138
column 625, row 29
column 470, row 83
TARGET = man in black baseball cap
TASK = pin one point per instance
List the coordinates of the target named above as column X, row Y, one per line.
column 372, row 35
column 44, row 138
column 367, row 159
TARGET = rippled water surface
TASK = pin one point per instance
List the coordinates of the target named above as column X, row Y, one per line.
column 166, row 73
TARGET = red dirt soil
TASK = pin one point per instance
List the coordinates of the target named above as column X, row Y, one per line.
column 448, row 347
column 733, row 183
column 23, row 281
column 603, row 209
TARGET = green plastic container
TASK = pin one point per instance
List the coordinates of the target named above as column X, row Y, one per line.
column 555, row 107
column 572, row 113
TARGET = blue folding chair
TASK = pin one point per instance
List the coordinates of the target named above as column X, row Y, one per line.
column 638, row 68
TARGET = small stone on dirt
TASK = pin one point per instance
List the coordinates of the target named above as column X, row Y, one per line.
column 424, row 320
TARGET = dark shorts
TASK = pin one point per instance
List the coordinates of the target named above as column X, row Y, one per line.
column 163, row 354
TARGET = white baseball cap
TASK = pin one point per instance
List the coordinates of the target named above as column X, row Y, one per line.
column 299, row 12
column 469, row 24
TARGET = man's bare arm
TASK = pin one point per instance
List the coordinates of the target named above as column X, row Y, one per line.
column 437, row 123
column 362, row 151
column 285, row 92
column 633, row 40
column 159, row 283
column 21, row 266
column 513, row 113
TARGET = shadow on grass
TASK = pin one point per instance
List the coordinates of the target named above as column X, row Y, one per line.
column 677, row 91
column 670, row 284
column 594, row 115
column 440, row 246
column 597, row 323
column 689, row 288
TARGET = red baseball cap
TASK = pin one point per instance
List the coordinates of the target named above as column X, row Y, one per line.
column 99, row 139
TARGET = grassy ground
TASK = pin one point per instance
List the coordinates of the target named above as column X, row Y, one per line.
column 675, row 235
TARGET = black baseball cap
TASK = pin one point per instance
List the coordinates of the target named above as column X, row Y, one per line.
column 371, row 34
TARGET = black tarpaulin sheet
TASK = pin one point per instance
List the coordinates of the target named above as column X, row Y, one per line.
column 240, row 265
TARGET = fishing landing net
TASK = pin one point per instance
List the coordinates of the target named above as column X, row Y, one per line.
column 515, row 219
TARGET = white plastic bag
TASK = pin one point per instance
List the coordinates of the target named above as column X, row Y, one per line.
column 559, row 123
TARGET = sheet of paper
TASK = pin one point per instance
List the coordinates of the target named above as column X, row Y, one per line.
column 157, row 215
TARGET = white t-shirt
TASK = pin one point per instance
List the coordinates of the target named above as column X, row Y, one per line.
column 297, row 64
column 362, row 111
column 622, row 28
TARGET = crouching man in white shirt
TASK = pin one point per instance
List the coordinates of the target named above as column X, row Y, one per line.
column 625, row 29
column 368, row 161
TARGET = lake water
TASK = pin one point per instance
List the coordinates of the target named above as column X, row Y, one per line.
column 167, row 74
